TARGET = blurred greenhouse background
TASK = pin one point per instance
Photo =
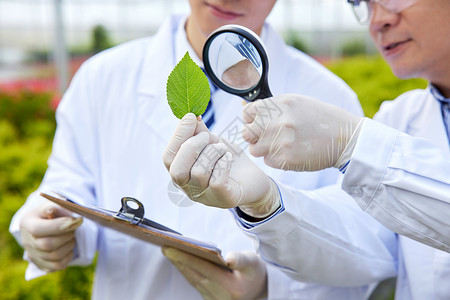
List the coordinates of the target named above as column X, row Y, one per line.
column 43, row 42
column 35, row 31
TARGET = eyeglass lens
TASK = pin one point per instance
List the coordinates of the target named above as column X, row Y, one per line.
column 363, row 9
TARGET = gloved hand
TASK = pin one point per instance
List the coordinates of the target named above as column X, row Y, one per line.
column 248, row 280
column 299, row 133
column 48, row 236
column 216, row 172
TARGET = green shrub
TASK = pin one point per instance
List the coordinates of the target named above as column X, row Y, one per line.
column 38, row 55
column 100, row 39
column 354, row 47
column 24, row 109
column 27, row 126
column 372, row 80
column 293, row 38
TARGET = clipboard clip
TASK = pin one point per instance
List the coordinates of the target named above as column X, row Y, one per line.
column 129, row 214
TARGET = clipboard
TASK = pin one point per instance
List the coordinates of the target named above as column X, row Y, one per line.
column 131, row 221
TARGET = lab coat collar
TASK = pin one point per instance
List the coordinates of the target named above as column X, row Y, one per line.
column 278, row 59
column 160, row 59
column 183, row 45
column 163, row 45
column 429, row 124
column 156, row 67
column 277, row 56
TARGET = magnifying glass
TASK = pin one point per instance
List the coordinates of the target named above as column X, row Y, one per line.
column 235, row 60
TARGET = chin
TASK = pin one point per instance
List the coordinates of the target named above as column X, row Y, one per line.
column 401, row 74
column 406, row 74
column 210, row 27
column 403, row 71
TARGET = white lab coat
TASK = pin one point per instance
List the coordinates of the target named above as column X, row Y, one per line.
column 113, row 125
column 408, row 175
column 406, row 186
column 334, row 239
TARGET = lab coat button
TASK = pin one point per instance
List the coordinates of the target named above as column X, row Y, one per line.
column 357, row 192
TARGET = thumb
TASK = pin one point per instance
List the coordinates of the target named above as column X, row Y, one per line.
column 185, row 129
column 201, row 126
column 241, row 260
column 52, row 211
column 61, row 216
column 50, row 220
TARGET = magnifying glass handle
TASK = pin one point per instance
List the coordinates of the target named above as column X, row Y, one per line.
column 261, row 92
column 265, row 92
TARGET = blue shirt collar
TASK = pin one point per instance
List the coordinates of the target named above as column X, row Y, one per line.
column 437, row 94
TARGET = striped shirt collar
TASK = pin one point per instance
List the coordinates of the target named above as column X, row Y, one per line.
column 437, row 94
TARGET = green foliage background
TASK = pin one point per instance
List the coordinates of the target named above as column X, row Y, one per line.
column 27, row 125
column 372, row 80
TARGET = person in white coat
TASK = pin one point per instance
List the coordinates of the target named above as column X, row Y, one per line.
column 399, row 174
column 406, row 182
column 113, row 125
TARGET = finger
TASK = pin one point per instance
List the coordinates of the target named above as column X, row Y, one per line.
column 50, row 266
column 241, row 260
column 226, row 191
column 205, row 285
column 214, row 139
column 201, row 126
column 195, row 268
column 257, row 151
column 178, row 259
column 52, row 227
column 188, row 153
column 54, row 255
column 249, row 112
column 49, row 243
column 233, row 261
column 185, row 129
column 221, row 172
column 266, row 140
column 248, row 266
column 52, row 211
column 276, row 152
column 52, row 220
column 251, row 132
column 259, row 118
column 205, row 164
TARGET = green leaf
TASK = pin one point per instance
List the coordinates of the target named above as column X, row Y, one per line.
column 187, row 88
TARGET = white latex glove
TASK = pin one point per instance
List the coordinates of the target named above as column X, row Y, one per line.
column 216, row 172
column 298, row 133
column 248, row 280
column 48, row 236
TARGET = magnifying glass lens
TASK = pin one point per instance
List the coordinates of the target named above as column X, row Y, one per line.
column 236, row 62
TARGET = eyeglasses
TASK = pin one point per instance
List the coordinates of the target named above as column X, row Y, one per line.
column 363, row 9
